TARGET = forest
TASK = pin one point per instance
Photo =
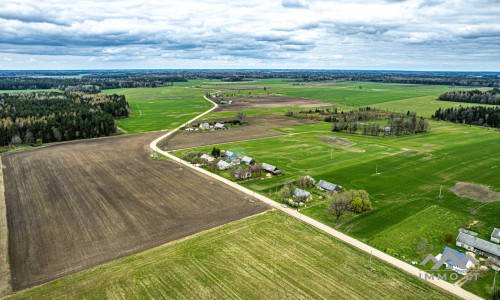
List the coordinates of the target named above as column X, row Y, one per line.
column 478, row 115
column 44, row 117
column 474, row 96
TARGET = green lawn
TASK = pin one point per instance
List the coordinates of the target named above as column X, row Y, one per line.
column 266, row 256
column 161, row 108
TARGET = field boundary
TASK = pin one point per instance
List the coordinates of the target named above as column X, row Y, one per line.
column 4, row 241
column 443, row 285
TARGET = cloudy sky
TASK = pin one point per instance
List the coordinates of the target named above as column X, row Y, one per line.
column 274, row 34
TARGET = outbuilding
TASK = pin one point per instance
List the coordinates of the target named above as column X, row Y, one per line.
column 495, row 235
column 247, row 161
column 270, row 169
column 328, row 186
column 302, row 195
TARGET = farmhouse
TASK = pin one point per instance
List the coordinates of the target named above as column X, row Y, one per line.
column 247, row 161
column 205, row 158
column 230, row 155
column 242, row 173
column 235, row 162
column 478, row 245
column 270, row 169
column 299, row 194
column 495, row 235
column 451, row 265
column 328, row 186
column 222, row 165
column 204, row 126
column 220, row 126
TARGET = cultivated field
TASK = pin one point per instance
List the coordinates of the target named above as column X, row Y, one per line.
column 74, row 205
column 266, row 102
column 267, row 256
column 412, row 169
column 162, row 108
column 258, row 126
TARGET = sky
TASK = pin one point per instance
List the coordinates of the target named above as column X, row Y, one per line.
column 434, row 35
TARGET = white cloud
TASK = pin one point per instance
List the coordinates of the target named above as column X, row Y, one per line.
column 295, row 33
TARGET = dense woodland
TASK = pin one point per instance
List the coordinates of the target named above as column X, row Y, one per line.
column 20, row 80
column 35, row 118
column 360, row 121
column 478, row 115
column 474, row 96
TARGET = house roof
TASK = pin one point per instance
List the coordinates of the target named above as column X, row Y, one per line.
column 220, row 125
column 246, row 159
column 205, row 125
column 328, row 185
column 222, row 163
column 268, row 167
column 207, row 157
column 479, row 243
column 230, row 154
column 458, row 254
column 242, row 171
column 496, row 233
column 300, row 193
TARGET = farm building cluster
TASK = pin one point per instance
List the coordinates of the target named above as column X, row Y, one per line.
column 467, row 239
column 299, row 196
column 239, row 167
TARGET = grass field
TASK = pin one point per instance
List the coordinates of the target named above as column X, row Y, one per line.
column 258, row 257
column 162, row 108
column 412, row 169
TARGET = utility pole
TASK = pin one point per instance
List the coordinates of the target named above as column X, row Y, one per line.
column 371, row 254
column 376, row 170
column 331, row 154
column 494, row 279
column 441, row 192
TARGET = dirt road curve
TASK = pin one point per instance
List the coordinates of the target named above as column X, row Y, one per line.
column 455, row 290
column 75, row 205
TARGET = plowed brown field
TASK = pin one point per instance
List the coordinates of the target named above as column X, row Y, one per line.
column 257, row 126
column 75, row 205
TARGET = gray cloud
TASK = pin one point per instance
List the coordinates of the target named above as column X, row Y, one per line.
column 294, row 4
column 351, row 34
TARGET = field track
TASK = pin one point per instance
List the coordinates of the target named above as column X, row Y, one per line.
column 78, row 204
column 4, row 264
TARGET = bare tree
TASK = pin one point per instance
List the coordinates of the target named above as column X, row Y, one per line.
column 338, row 205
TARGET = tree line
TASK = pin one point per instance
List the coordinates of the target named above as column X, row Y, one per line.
column 478, row 115
column 474, row 96
column 35, row 118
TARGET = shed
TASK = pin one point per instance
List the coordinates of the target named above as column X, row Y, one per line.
column 495, row 235
column 328, row 186
column 204, row 126
column 270, row 169
column 206, row 158
column 220, row 126
column 478, row 245
column 230, row 155
column 247, row 161
column 222, row 165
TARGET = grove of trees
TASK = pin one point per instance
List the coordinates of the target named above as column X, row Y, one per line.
column 52, row 116
column 478, row 115
column 473, row 96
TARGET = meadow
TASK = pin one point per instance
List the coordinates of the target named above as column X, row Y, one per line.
column 155, row 109
column 411, row 171
column 257, row 257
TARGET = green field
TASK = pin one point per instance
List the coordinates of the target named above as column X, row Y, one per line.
column 412, row 169
column 255, row 258
column 155, row 109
